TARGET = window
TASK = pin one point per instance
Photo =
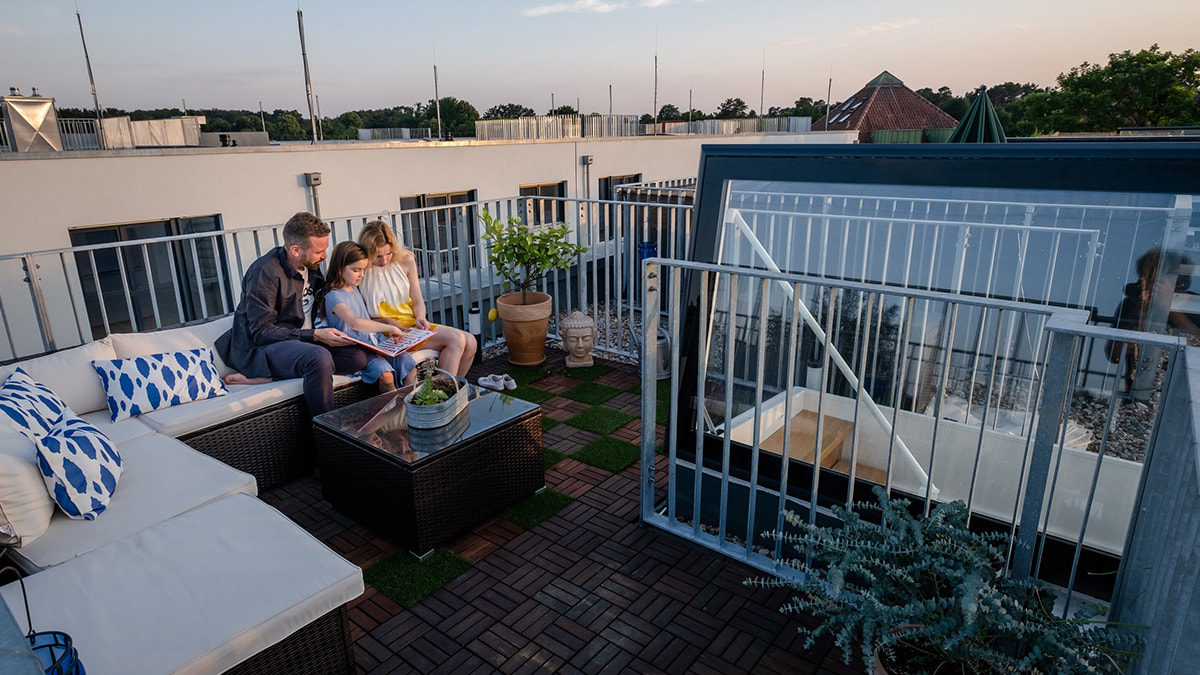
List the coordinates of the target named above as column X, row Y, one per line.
column 545, row 210
column 431, row 225
column 609, row 185
column 143, row 287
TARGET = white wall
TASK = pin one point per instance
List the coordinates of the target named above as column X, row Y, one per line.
column 45, row 194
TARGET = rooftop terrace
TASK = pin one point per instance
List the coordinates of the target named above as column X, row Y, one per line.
column 588, row 590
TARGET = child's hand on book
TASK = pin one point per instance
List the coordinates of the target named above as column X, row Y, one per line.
column 394, row 332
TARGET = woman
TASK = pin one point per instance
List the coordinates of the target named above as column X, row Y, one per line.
column 392, row 291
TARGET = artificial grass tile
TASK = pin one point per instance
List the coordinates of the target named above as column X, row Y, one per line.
column 407, row 581
column 602, row 421
column 526, row 374
column 587, row 374
column 591, row 393
column 531, row 394
column 551, row 457
column 663, row 415
column 549, row 423
column 609, row 454
column 537, row 508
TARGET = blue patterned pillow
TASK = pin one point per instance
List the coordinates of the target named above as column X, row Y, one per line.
column 80, row 467
column 29, row 406
column 144, row 383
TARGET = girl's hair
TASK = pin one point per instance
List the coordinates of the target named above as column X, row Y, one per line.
column 375, row 235
column 344, row 254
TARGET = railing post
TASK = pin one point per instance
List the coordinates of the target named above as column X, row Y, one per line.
column 649, row 389
column 1051, row 407
column 39, row 301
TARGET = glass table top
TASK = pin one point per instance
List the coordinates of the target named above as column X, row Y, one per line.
column 381, row 423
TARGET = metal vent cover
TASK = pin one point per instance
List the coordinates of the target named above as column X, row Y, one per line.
column 32, row 124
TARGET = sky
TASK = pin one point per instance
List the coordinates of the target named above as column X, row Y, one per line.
column 367, row 54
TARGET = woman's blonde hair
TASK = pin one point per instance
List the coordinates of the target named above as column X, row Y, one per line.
column 377, row 234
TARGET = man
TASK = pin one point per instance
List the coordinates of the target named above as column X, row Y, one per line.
column 273, row 335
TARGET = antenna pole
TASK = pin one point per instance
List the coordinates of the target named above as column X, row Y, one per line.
column 312, row 118
column 762, row 87
column 828, row 93
column 261, row 117
column 656, row 90
column 88, row 60
column 610, row 99
column 437, row 101
column 320, row 122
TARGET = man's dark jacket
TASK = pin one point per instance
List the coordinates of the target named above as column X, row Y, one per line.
column 271, row 310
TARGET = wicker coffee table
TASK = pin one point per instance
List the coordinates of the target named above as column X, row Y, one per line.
column 422, row 488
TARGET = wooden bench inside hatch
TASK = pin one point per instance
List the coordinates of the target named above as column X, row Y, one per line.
column 834, row 433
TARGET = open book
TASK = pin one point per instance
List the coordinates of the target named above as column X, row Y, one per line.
column 412, row 338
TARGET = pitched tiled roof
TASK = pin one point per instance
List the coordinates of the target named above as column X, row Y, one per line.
column 884, row 104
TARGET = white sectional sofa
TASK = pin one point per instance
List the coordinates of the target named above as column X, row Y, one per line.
column 186, row 571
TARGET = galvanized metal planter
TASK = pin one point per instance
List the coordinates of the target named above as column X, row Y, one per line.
column 438, row 414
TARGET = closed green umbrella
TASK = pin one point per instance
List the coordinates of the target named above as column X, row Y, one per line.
column 980, row 124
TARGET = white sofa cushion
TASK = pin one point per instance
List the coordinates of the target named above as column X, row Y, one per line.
column 25, row 506
column 69, row 374
column 234, row 577
column 140, row 384
column 118, row 432
column 127, row 345
column 81, row 467
column 243, row 399
column 162, row 478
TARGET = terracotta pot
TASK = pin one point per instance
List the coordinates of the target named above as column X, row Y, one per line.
column 525, row 326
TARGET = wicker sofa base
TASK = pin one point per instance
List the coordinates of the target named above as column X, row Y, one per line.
column 323, row 647
column 274, row 444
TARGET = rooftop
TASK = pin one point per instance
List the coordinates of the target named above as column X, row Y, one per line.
column 588, row 590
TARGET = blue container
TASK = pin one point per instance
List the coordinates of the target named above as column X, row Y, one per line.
column 647, row 249
column 56, row 653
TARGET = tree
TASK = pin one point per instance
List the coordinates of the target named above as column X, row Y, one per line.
column 1146, row 89
column 731, row 108
column 508, row 111
column 563, row 110
column 670, row 113
column 954, row 106
column 285, row 126
column 458, row 116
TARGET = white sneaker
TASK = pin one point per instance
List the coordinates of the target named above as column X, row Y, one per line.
column 493, row 382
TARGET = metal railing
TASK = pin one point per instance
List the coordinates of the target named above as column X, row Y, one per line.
column 395, row 134
column 83, row 293
column 76, row 134
column 1065, row 498
column 751, row 125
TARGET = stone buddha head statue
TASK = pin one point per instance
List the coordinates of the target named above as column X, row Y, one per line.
column 579, row 337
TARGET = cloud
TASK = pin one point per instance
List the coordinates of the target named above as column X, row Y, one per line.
column 573, row 7
column 10, row 31
column 881, row 27
column 793, row 41
column 596, row 6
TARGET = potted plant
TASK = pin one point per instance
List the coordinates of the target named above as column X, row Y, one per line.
column 436, row 400
column 928, row 595
column 523, row 255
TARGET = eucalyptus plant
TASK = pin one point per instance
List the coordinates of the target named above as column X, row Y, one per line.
column 524, row 254
column 930, row 595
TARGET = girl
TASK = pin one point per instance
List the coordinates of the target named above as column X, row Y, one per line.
column 341, row 306
column 392, row 291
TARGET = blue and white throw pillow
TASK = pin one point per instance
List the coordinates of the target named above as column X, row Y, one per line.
column 30, row 406
column 144, row 383
column 80, row 467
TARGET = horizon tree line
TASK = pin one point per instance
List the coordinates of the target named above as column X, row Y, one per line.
column 1147, row 88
